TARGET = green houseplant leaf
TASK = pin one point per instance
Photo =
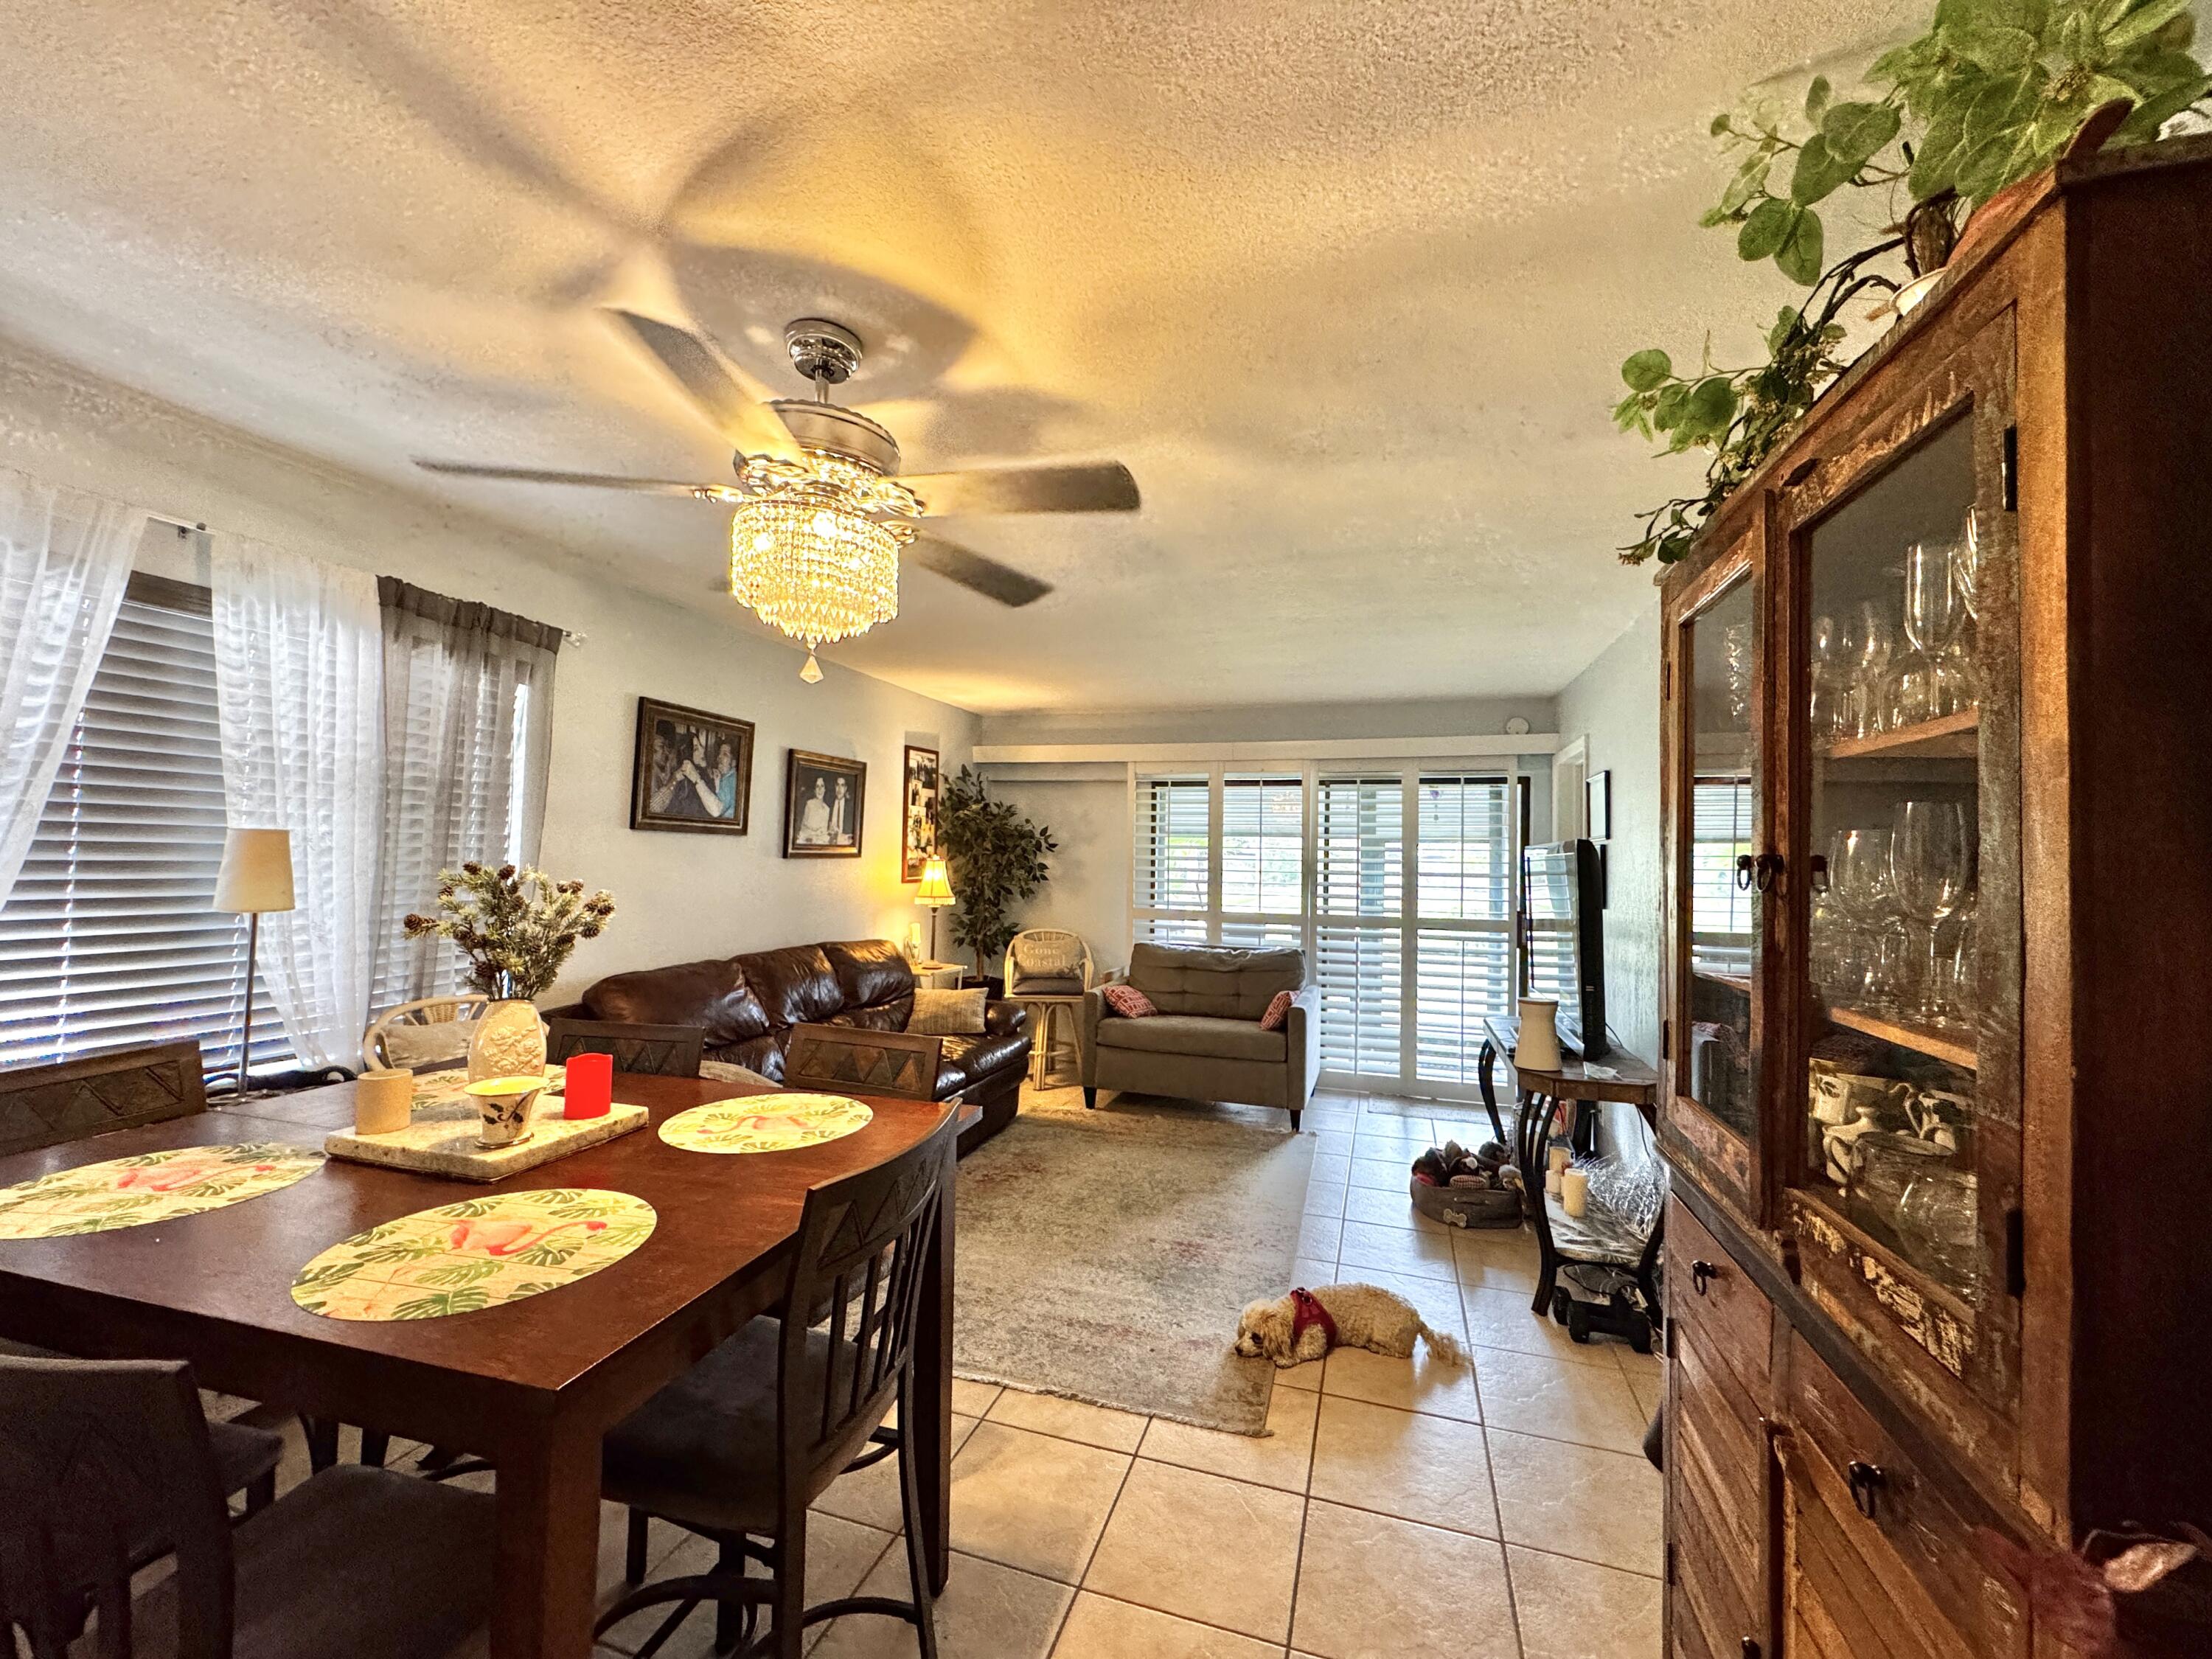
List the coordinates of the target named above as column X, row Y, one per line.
column 1820, row 171
column 994, row 858
column 1766, row 229
column 1799, row 255
column 1647, row 370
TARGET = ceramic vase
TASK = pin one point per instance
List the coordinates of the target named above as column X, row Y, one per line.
column 509, row 1041
column 1539, row 1047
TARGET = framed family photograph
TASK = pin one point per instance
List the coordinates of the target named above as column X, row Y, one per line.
column 918, row 812
column 692, row 770
column 822, row 797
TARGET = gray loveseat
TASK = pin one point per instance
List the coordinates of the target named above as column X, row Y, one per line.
column 1205, row 1043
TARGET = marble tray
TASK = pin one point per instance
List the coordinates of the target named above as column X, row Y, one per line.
column 441, row 1140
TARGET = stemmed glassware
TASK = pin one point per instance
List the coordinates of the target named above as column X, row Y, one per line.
column 1831, row 675
column 1871, row 700
column 1860, row 889
column 1925, row 690
column 1960, row 664
column 1928, row 867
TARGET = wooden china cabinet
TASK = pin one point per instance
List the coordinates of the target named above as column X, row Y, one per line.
column 1939, row 842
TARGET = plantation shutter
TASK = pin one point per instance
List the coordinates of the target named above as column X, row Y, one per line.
column 1463, row 941
column 108, row 939
column 1262, row 859
column 1359, row 856
column 1720, row 911
column 1171, row 857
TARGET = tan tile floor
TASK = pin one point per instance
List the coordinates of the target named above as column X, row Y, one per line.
column 1400, row 1509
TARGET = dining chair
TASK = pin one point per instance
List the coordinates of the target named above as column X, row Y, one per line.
column 106, row 1467
column 647, row 1050
column 46, row 1105
column 737, row 1449
column 901, row 1064
column 429, row 1031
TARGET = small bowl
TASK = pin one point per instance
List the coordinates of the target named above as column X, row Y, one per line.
column 503, row 1105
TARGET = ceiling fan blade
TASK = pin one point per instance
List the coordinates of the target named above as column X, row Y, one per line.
column 973, row 571
column 736, row 403
column 589, row 480
column 1095, row 487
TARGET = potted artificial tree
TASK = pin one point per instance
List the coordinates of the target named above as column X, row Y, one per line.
column 995, row 858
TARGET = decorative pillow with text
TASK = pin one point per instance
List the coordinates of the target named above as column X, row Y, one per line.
column 1279, row 1011
column 1128, row 1001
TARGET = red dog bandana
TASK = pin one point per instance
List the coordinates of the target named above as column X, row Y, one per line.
column 1306, row 1310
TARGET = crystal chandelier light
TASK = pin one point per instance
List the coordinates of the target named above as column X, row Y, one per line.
column 814, row 550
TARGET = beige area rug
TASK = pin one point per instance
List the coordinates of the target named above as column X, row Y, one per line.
column 1105, row 1256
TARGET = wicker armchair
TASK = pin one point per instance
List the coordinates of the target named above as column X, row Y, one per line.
column 1048, row 962
column 415, row 1045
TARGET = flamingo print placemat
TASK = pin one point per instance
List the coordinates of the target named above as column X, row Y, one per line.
column 133, row 1191
column 765, row 1123
column 481, row 1253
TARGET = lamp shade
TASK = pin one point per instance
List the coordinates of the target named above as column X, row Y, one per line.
column 257, row 871
column 935, row 888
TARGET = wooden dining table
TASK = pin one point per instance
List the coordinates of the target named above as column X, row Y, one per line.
column 531, row 1385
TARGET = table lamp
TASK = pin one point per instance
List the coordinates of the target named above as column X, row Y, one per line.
column 256, row 878
column 936, row 892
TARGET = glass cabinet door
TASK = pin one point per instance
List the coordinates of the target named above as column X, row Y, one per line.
column 1719, row 880
column 1907, row 607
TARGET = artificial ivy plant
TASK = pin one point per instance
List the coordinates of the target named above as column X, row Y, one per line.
column 1992, row 91
column 994, row 858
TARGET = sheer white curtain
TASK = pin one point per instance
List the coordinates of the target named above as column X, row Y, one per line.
column 299, row 687
column 468, row 726
column 64, row 561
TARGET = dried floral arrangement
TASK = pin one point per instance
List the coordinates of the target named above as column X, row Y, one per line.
column 518, row 926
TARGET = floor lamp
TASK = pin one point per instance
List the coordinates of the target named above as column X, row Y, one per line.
column 256, row 878
column 936, row 892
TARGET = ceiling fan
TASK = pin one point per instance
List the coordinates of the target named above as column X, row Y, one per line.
column 821, row 512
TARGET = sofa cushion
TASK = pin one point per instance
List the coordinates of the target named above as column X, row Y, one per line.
column 1279, row 1011
column 796, row 985
column 1215, row 980
column 871, row 972
column 714, row 995
column 962, row 1061
column 1195, row 1034
column 947, row 1013
column 1046, row 985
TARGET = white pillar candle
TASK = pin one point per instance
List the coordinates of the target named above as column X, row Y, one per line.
column 1551, row 1183
column 1559, row 1157
column 1574, row 1192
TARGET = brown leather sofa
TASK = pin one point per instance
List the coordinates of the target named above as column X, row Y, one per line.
column 748, row 1004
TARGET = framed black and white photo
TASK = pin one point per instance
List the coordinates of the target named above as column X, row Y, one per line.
column 692, row 770
column 822, row 797
column 1597, row 799
column 918, row 812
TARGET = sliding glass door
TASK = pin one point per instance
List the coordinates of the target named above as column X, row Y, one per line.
column 1396, row 881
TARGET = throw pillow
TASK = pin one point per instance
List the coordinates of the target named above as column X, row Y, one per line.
column 1128, row 1001
column 947, row 1013
column 409, row 1047
column 1279, row 1011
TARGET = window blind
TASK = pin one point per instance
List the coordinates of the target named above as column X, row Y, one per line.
column 1171, row 848
column 108, row 939
column 1359, row 869
column 1720, row 911
column 1262, row 846
column 1463, row 941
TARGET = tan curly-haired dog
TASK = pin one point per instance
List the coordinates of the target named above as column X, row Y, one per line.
column 1306, row 1324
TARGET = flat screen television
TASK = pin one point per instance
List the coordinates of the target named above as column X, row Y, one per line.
column 1563, row 937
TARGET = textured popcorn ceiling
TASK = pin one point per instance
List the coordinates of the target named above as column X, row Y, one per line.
column 1344, row 284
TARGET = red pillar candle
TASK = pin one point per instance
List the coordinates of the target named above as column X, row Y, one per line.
column 590, row 1086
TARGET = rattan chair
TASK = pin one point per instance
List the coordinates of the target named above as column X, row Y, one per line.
column 460, row 1010
column 106, row 1467
column 738, row 1449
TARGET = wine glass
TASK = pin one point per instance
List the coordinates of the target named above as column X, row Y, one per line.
column 1962, row 664
column 1931, row 618
column 1928, row 873
column 1858, row 881
column 1961, row 965
column 1870, row 680
column 1830, row 716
